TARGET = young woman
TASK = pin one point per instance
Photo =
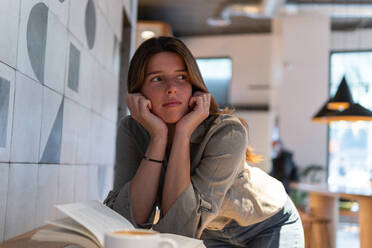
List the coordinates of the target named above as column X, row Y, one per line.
column 179, row 152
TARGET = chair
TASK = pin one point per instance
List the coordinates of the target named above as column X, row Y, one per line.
column 308, row 223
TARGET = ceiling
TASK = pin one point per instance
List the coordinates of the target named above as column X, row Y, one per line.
column 189, row 17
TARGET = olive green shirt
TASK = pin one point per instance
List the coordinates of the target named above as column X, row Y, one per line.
column 223, row 186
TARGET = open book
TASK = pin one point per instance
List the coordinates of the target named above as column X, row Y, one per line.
column 87, row 222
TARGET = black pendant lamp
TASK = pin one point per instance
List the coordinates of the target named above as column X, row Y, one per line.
column 342, row 108
column 355, row 112
column 322, row 115
column 343, row 99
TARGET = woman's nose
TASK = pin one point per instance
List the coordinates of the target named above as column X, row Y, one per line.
column 171, row 87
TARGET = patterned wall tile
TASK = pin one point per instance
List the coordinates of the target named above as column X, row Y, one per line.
column 55, row 54
column 101, row 39
column 7, row 78
column 86, row 78
column 97, row 146
column 60, row 9
column 69, row 132
column 27, row 111
column 93, row 183
column 47, row 193
column 105, row 180
column 90, row 23
column 65, row 185
column 81, row 180
column 108, row 156
column 9, row 10
column 109, row 49
column 21, row 201
column 98, row 82
column 83, row 122
column 115, row 15
column 4, row 173
column 51, row 127
column 83, row 21
column 73, row 68
column 110, row 96
column 32, row 38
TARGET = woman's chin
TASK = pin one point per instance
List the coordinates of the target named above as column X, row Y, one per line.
column 171, row 119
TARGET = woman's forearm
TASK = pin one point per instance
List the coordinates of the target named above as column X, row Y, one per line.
column 144, row 185
column 177, row 177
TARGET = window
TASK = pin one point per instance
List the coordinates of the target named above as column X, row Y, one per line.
column 350, row 143
column 216, row 73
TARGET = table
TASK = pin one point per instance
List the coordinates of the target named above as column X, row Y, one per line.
column 323, row 201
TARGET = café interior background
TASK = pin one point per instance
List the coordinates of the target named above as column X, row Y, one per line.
column 59, row 83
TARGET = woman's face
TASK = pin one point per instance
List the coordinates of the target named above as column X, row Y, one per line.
column 167, row 86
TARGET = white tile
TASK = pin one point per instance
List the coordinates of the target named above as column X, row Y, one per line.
column 103, row 6
column 102, row 29
column 69, row 132
column 27, row 120
column 83, row 120
column 60, row 9
column 81, row 182
column 47, row 190
column 105, row 180
column 50, row 108
column 111, row 95
column 23, row 56
column 115, row 13
column 98, row 83
column 73, row 64
column 9, row 10
column 108, row 156
column 109, row 49
column 21, row 203
column 86, row 78
column 76, row 23
column 93, row 183
column 55, row 54
column 6, row 121
column 97, row 144
column 65, row 185
column 4, row 175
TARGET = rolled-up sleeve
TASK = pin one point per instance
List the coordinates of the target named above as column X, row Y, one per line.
column 128, row 158
column 200, row 203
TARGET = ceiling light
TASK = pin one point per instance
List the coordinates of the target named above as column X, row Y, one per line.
column 218, row 22
column 147, row 34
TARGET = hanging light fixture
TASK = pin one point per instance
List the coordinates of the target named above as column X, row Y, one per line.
column 323, row 113
column 355, row 112
column 342, row 108
column 342, row 99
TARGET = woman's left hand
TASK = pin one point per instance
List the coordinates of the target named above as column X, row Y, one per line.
column 199, row 104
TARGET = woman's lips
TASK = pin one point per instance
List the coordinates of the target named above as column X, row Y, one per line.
column 172, row 104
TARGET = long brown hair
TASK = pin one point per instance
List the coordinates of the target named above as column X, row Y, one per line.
column 150, row 47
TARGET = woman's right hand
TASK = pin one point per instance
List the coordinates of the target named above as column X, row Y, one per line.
column 140, row 107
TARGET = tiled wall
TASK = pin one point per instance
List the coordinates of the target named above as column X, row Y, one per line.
column 58, row 105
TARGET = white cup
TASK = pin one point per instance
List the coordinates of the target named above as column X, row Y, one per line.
column 137, row 239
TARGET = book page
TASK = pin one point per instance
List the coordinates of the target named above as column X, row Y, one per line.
column 65, row 236
column 70, row 224
column 96, row 217
column 184, row 242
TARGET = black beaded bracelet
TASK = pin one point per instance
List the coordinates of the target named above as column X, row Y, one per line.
column 153, row 160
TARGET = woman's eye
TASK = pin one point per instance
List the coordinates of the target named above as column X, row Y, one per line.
column 155, row 79
column 182, row 77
